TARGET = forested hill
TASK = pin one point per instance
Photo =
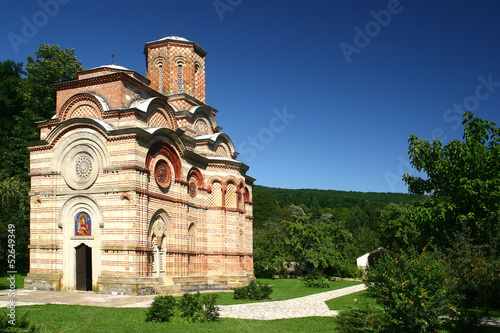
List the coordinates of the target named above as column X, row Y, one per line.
column 269, row 201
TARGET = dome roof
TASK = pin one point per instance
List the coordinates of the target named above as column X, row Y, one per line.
column 171, row 38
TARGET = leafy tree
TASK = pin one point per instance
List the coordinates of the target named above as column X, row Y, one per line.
column 398, row 230
column 318, row 243
column 50, row 65
column 463, row 183
column 269, row 251
column 11, row 104
column 14, row 205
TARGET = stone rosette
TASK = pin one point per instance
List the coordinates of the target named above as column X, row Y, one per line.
column 80, row 168
column 163, row 174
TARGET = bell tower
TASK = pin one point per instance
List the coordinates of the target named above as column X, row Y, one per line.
column 175, row 66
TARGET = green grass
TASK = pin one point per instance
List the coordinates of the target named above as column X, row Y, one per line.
column 350, row 301
column 284, row 289
column 5, row 284
column 73, row 318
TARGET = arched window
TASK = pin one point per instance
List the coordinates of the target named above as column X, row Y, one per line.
column 160, row 77
column 231, row 198
column 196, row 73
column 180, row 83
column 192, row 237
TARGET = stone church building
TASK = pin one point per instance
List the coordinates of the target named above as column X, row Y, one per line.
column 134, row 187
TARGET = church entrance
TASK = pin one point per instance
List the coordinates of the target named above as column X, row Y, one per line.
column 83, row 267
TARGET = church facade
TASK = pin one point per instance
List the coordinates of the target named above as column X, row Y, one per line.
column 134, row 187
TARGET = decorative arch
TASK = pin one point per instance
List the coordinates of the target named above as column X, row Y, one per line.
column 76, row 205
column 160, row 225
column 159, row 234
column 83, row 105
column 222, row 150
column 241, row 195
column 180, row 63
column 215, row 196
column 204, row 113
column 196, row 174
column 231, row 197
column 159, row 64
column 192, row 233
column 246, row 195
column 160, row 114
column 223, row 146
column 161, row 147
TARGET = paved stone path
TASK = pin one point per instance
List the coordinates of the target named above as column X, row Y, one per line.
column 307, row 306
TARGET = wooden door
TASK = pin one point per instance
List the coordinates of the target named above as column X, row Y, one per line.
column 83, row 267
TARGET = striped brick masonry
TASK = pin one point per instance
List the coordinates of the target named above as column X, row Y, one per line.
column 134, row 189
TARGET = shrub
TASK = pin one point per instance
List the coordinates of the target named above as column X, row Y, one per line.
column 366, row 318
column 317, row 280
column 193, row 307
column 414, row 290
column 197, row 308
column 162, row 308
column 253, row 291
column 210, row 308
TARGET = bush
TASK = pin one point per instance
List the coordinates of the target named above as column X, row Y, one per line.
column 414, row 290
column 197, row 308
column 193, row 307
column 317, row 280
column 162, row 308
column 253, row 291
column 367, row 318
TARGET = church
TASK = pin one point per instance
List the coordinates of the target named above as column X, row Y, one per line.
column 135, row 189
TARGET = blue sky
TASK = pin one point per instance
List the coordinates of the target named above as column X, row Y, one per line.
column 314, row 94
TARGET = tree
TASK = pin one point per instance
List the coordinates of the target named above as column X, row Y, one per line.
column 11, row 104
column 14, row 205
column 49, row 66
column 461, row 215
column 463, row 183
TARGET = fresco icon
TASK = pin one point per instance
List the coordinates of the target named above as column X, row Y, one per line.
column 82, row 224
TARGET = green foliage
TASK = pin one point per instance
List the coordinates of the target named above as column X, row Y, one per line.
column 254, row 290
column 162, row 309
column 463, row 179
column 477, row 289
column 365, row 319
column 414, row 290
column 296, row 231
column 196, row 308
column 270, row 249
column 11, row 104
column 317, row 280
column 399, row 231
column 49, row 66
column 14, row 205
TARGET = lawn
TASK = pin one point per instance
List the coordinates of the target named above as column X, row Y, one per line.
column 5, row 284
column 284, row 289
column 350, row 301
column 73, row 318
